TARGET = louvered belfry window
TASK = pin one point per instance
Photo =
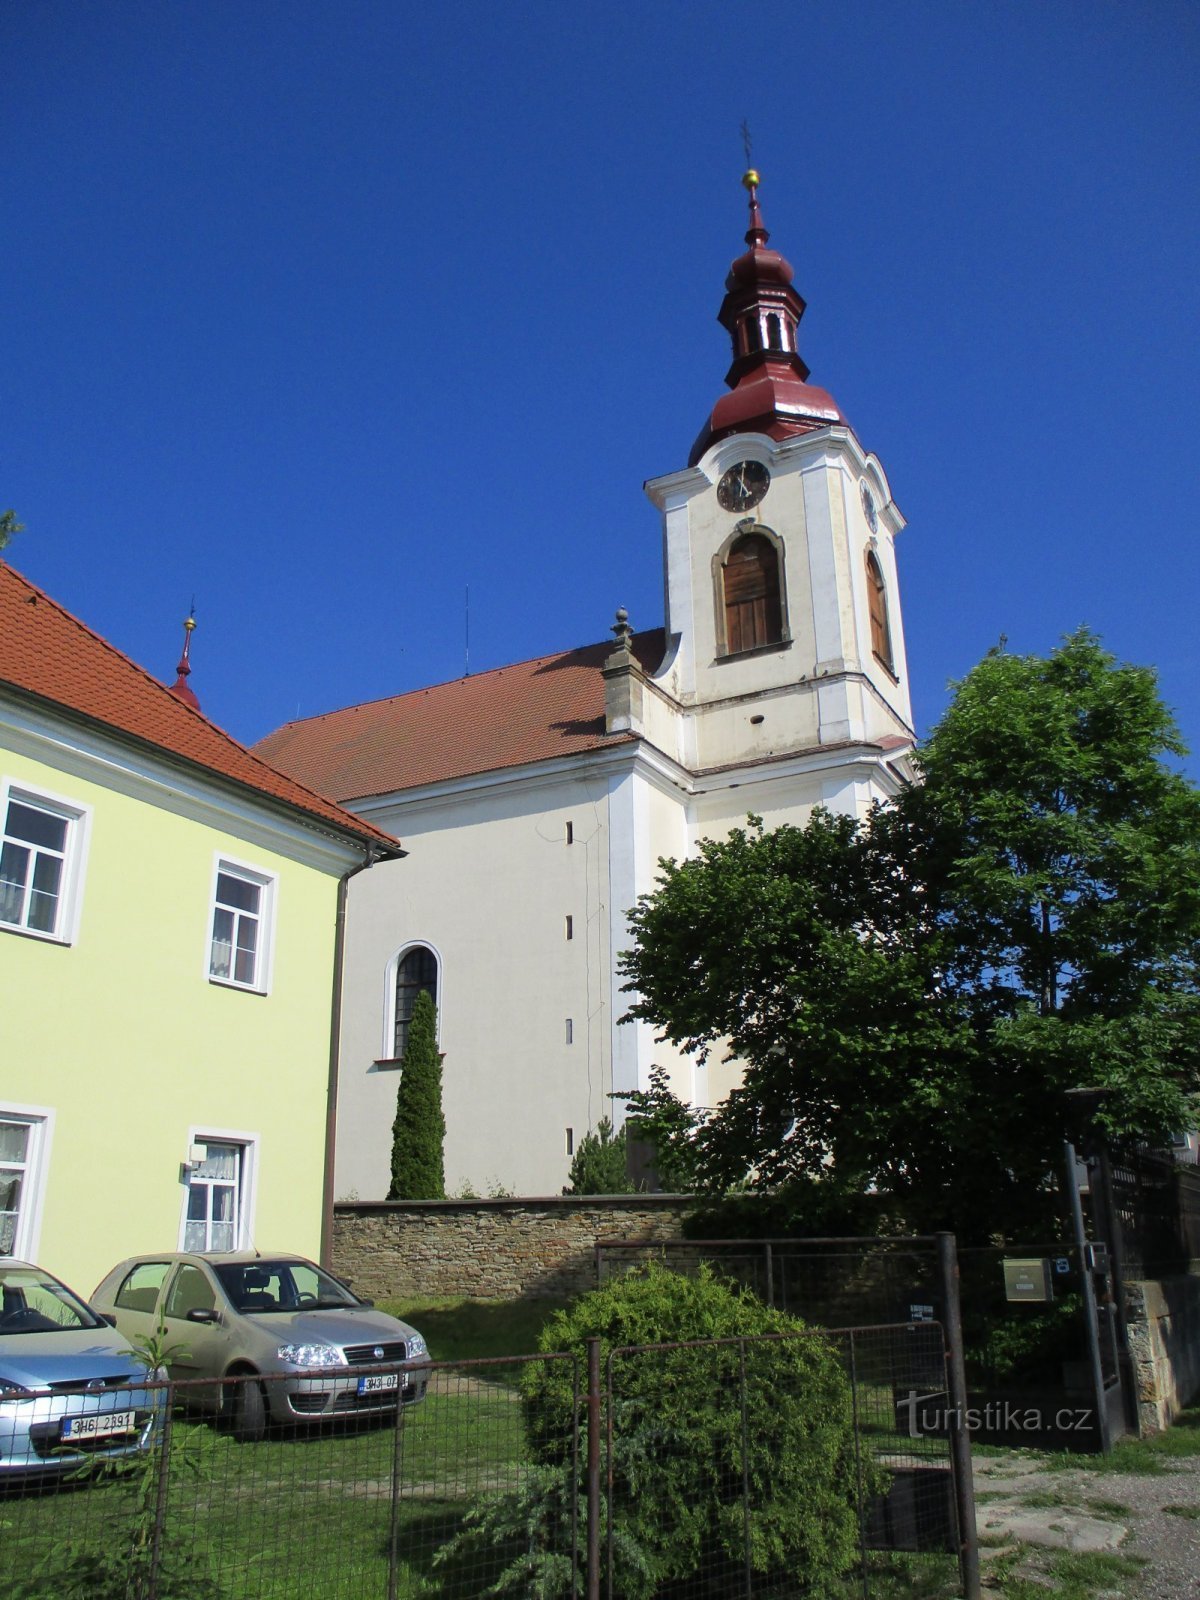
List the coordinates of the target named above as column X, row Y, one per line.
column 753, row 612
column 881, row 633
column 417, row 970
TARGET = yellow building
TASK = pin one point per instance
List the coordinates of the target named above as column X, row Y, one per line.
column 170, row 933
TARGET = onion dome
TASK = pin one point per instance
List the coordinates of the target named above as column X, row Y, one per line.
column 769, row 381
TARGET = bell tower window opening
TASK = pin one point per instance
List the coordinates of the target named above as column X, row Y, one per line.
column 751, row 594
column 774, row 333
column 881, row 633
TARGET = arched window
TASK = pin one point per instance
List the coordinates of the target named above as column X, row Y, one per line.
column 416, row 970
column 753, row 611
column 774, row 333
column 881, row 633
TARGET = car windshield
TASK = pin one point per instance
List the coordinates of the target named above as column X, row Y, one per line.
column 270, row 1286
column 32, row 1301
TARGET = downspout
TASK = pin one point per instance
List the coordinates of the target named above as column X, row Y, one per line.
column 373, row 854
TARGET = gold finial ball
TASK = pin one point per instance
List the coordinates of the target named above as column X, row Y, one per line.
column 750, row 179
column 189, row 623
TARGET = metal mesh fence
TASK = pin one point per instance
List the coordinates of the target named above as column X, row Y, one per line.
column 831, row 1283
column 744, row 1467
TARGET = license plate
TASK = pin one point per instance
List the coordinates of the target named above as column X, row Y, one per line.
column 379, row 1382
column 99, row 1425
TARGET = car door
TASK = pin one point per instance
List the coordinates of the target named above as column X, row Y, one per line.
column 135, row 1304
column 196, row 1337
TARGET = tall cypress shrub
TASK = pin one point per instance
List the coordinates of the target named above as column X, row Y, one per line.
column 419, row 1130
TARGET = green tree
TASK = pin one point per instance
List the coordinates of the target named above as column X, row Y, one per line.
column 419, row 1131
column 598, row 1166
column 913, row 995
column 9, row 527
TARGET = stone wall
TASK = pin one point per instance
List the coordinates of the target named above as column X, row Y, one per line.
column 490, row 1249
column 1163, row 1318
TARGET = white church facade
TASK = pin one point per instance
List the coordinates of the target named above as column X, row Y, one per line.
column 535, row 801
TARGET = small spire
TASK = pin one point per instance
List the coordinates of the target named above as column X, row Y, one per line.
column 180, row 688
column 756, row 234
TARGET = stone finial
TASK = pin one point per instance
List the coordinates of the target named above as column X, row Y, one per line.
column 622, row 632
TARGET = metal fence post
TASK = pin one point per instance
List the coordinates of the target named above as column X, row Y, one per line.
column 858, row 1478
column 960, row 1441
column 770, row 1274
column 394, row 1508
column 745, row 1469
column 1091, row 1320
column 160, row 1496
column 593, row 1470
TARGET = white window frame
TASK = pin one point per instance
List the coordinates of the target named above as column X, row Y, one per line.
column 40, row 1120
column 268, row 883
column 387, row 1052
column 205, row 1134
column 78, row 818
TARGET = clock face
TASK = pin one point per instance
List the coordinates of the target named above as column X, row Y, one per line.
column 743, row 485
column 868, row 505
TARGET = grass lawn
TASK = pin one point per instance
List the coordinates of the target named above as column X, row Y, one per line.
column 464, row 1330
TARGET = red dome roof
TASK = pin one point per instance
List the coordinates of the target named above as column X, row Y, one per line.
column 768, row 379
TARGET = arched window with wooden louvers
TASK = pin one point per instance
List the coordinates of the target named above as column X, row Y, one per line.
column 881, row 633
column 753, row 606
column 416, row 970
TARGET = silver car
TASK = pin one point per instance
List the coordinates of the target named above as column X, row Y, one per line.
column 243, row 1316
column 71, row 1390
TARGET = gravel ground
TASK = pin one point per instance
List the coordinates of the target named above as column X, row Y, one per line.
column 1170, row 1544
column 1096, row 1510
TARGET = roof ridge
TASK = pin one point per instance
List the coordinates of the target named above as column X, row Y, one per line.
column 156, row 683
column 445, row 683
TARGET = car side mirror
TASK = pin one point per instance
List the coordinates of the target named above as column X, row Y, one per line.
column 109, row 1317
column 203, row 1314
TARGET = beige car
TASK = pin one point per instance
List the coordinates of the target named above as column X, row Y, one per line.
column 303, row 1345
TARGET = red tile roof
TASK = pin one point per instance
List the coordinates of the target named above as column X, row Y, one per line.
column 47, row 652
column 533, row 711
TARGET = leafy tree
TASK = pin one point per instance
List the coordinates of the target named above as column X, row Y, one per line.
column 9, row 527
column 913, row 995
column 598, row 1166
column 419, row 1131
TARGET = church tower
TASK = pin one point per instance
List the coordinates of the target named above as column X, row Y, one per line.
column 785, row 651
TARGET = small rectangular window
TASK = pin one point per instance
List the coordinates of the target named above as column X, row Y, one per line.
column 570, row 1031
column 570, row 927
column 36, row 853
column 570, row 1141
column 22, row 1170
column 240, row 926
column 570, row 833
column 214, row 1200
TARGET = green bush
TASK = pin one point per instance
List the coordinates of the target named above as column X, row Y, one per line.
column 683, row 1449
column 599, row 1163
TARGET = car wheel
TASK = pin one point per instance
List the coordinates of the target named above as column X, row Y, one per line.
column 247, row 1409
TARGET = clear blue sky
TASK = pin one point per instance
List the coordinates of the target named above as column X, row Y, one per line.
column 323, row 310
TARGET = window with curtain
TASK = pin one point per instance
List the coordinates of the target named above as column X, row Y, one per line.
column 33, row 864
column 214, row 1202
column 15, row 1160
column 881, row 633
column 240, row 924
column 416, row 971
column 753, row 604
